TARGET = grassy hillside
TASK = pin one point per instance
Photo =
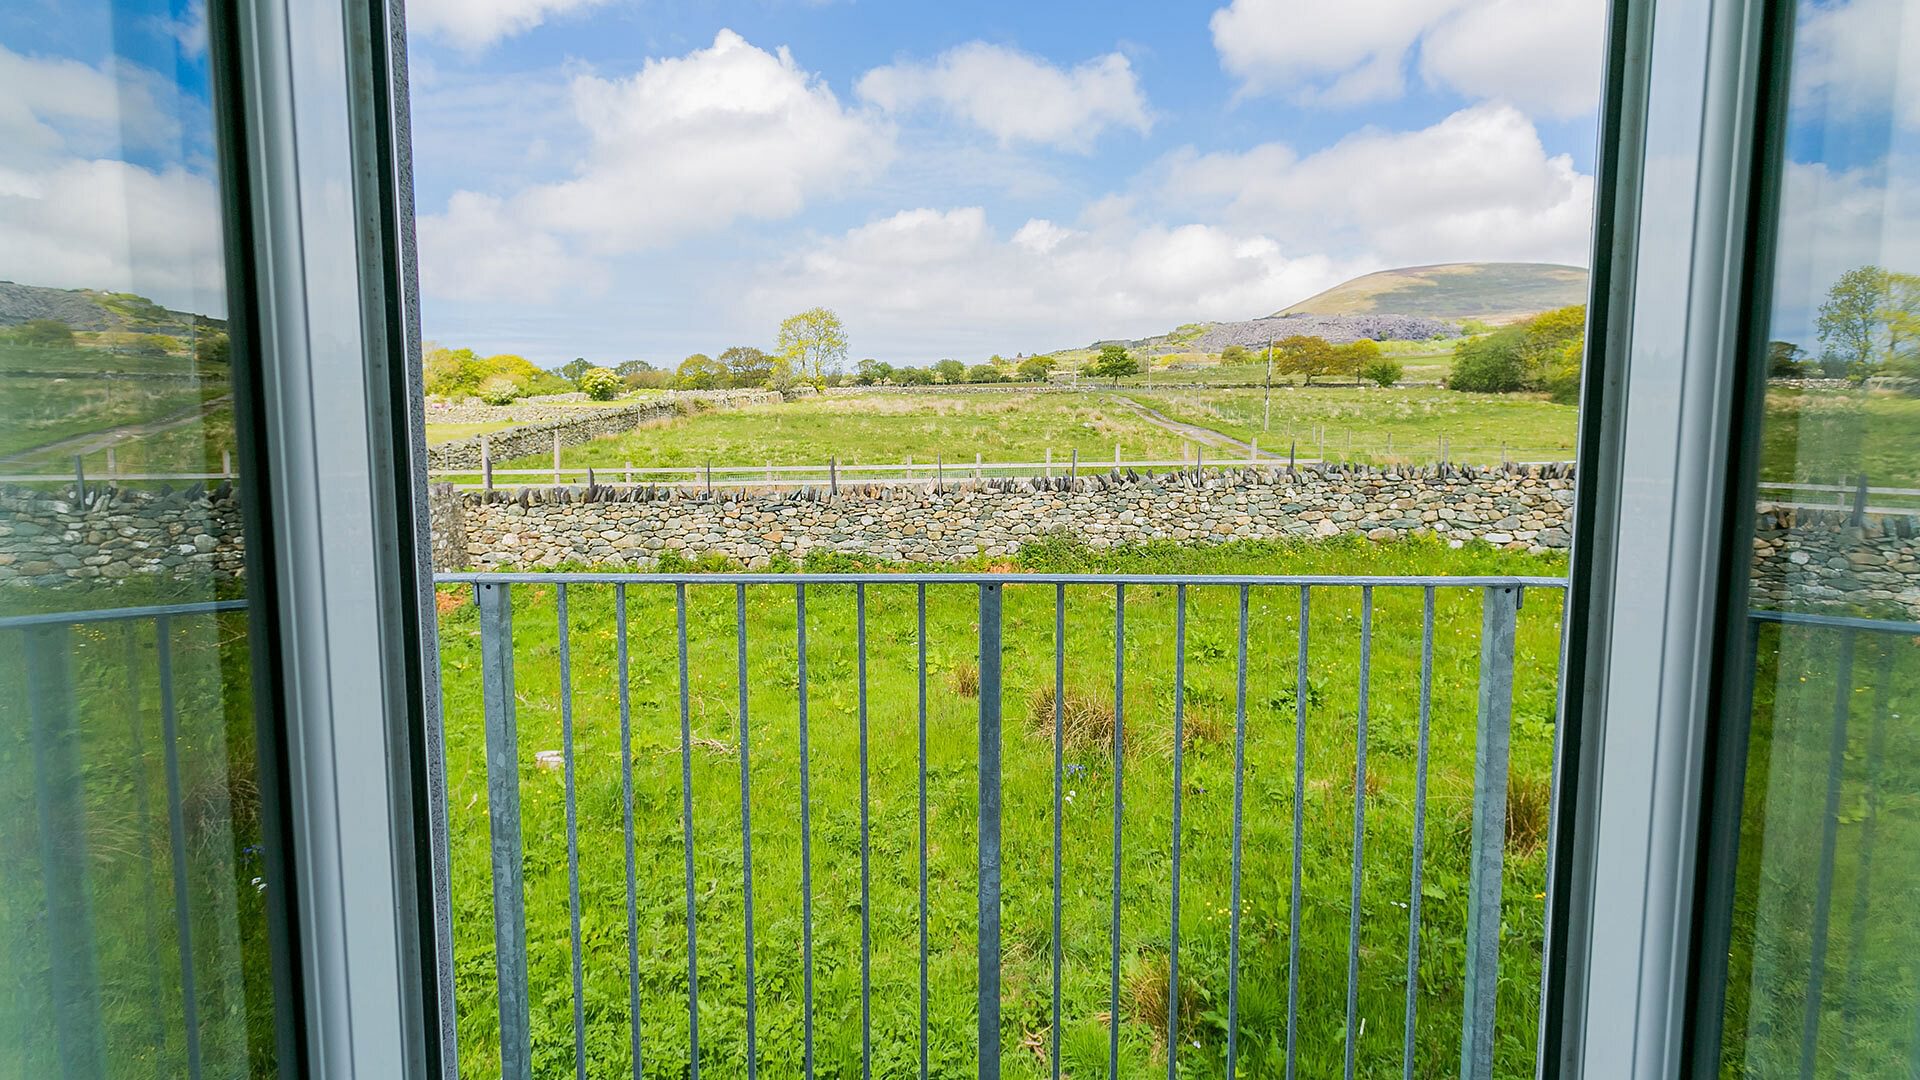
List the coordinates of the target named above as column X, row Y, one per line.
column 1490, row 292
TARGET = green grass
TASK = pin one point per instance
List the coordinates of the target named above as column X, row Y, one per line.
column 439, row 433
column 72, row 399
column 117, row 748
column 1829, row 435
column 1475, row 425
column 1869, row 987
column 952, row 757
column 881, row 428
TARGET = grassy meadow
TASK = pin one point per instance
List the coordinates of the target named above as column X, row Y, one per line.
column 51, row 394
column 1828, row 435
column 1359, row 422
column 951, row 851
column 880, row 428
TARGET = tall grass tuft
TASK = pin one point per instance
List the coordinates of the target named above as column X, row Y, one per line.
column 1087, row 719
column 1529, row 805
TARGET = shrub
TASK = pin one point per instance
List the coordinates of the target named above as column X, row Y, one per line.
column 1489, row 365
column 47, row 333
column 1383, row 371
column 501, row 390
column 600, row 384
column 1036, row 368
column 983, row 373
column 1233, row 354
column 949, row 371
column 212, row 348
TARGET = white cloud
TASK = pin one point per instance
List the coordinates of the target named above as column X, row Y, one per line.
column 1543, row 55
column 1834, row 220
column 73, row 214
column 1344, row 51
column 926, row 283
column 1477, row 185
column 478, row 250
column 110, row 225
column 1014, row 96
column 687, row 145
column 1859, row 57
column 53, row 108
column 475, row 24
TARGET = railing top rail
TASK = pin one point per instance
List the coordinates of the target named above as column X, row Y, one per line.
column 1014, row 578
column 1837, row 622
column 57, row 618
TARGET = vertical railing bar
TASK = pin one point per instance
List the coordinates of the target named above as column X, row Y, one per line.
column 1359, row 828
column 573, row 842
column 1239, row 820
column 1869, row 830
column 1300, row 695
column 806, row 840
column 1059, row 755
column 1419, row 830
column 1480, row 996
column 143, row 809
column 1179, row 756
column 495, row 604
column 746, row 827
column 1829, row 845
column 988, row 1006
column 686, row 825
column 177, row 840
column 920, row 637
column 626, row 824
column 59, row 804
column 1119, row 793
column 866, row 879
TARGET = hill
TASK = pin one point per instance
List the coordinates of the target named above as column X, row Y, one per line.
column 96, row 310
column 1489, row 292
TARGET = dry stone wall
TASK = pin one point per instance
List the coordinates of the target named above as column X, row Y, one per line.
column 1518, row 508
column 117, row 533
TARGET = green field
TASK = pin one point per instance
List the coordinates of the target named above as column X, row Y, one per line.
column 439, row 433
column 1357, row 423
column 881, row 428
column 951, row 777
column 1831, row 435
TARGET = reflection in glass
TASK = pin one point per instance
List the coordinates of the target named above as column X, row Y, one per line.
column 1823, row 979
column 132, row 880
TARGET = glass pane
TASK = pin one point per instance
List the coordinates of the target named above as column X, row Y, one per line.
column 133, row 886
column 1822, row 979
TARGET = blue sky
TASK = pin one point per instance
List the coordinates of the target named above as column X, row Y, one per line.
column 625, row 179
column 958, row 180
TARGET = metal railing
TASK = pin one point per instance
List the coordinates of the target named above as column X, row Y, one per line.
column 61, row 766
column 493, row 594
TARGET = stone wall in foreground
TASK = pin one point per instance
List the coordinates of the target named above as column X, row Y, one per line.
column 1518, row 508
column 47, row 538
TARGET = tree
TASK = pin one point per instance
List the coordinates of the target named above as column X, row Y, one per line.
column 1489, row 364
column 1785, row 360
column 44, row 333
column 700, row 372
column 871, row 372
column 212, row 348
column 1850, row 319
column 1382, row 371
column 1035, row 368
column 1114, row 362
column 601, row 384
column 1354, row 357
column 1304, row 356
column 631, row 367
column 950, row 371
column 814, row 344
column 1233, row 354
column 747, row 366
column 912, row 376
column 1563, row 374
column 983, row 373
column 573, row 369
